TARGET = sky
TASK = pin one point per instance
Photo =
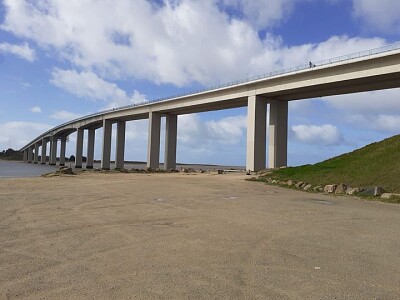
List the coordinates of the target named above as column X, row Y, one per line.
column 60, row 60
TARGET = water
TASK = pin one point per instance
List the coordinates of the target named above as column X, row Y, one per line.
column 18, row 169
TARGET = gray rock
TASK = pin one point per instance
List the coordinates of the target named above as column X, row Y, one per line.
column 299, row 184
column 353, row 191
column 373, row 191
column 330, row 188
column 67, row 171
column 341, row 189
column 389, row 195
column 290, row 183
column 318, row 188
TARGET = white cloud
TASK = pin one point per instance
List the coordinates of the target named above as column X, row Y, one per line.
column 63, row 115
column 326, row 135
column 17, row 134
column 36, row 109
column 89, row 85
column 382, row 15
column 22, row 51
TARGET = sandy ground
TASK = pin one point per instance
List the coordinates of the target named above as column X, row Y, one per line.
column 179, row 236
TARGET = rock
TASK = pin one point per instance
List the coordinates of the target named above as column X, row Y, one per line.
column 299, row 184
column 341, row 189
column 330, row 188
column 353, row 191
column 307, row 187
column 373, row 191
column 290, row 183
column 219, row 172
column 274, row 181
column 66, row 170
column 389, row 195
column 318, row 188
column 150, row 170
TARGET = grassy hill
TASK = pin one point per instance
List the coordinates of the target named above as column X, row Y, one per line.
column 11, row 154
column 377, row 164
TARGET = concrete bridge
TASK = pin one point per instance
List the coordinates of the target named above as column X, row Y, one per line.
column 370, row 70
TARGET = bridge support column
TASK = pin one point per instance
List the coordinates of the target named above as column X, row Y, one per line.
column 25, row 155
column 278, row 133
column 36, row 157
column 62, row 151
column 256, row 133
column 44, row 150
column 90, row 148
column 120, row 151
column 53, row 151
column 153, row 147
column 107, row 133
column 171, row 128
column 30, row 154
column 79, row 148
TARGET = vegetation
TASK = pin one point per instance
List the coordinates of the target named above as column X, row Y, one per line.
column 11, row 154
column 377, row 164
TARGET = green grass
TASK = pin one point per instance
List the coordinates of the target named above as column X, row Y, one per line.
column 377, row 164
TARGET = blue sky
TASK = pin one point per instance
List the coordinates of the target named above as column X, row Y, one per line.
column 63, row 59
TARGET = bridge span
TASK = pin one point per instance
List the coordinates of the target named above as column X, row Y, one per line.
column 370, row 70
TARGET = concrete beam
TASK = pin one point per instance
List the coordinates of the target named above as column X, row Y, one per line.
column 36, row 157
column 120, row 151
column 90, row 148
column 53, row 151
column 79, row 148
column 278, row 133
column 62, row 151
column 171, row 129
column 256, row 133
column 44, row 151
column 153, row 147
column 107, row 134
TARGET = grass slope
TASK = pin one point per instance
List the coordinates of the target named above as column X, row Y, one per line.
column 377, row 164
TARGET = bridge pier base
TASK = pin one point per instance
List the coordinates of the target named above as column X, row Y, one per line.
column 62, row 151
column 44, row 151
column 25, row 158
column 107, row 132
column 53, row 151
column 30, row 154
column 256, row 133
column 278, row 133
column 120, row 150
column 90, row 148
column 171, row 129
column 153, row 147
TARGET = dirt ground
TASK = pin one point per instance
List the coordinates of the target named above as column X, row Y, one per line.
column 180, row 236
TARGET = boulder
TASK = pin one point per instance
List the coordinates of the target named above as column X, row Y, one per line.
column 299, row 184
column 220, row 172
column 373, row 191
column 389, row 195
column 341, row 189
column 290, row 183
column 330, row 188
column 318, row 188
column 65, row 170
column 353, row 191
column 307, row 187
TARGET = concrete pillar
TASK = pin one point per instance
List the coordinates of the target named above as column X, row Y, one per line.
column 30, row 154
column 90, row 148
column 120, row 151
column 62, row 151
column 53, row 151
column 256, row 133
column 278, row 134
column 36, row 157
column 153, row 147
column 171, row 128
column 44, row 150
column 79, row 148
column 25, row 155
column 106, row 153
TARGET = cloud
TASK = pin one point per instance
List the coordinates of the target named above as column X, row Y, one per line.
column 65, row 115
column 327, row 135
column 380, row 15
column 22, row 51
column 17, row 134
column 36, row 109
column 89, row 85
